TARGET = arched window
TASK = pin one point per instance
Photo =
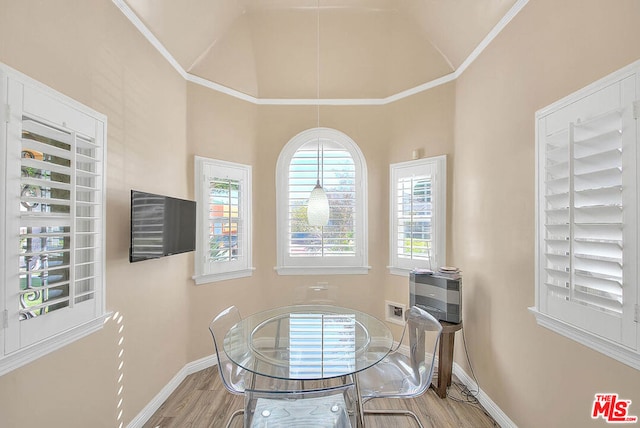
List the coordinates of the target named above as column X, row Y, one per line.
column 340, row 247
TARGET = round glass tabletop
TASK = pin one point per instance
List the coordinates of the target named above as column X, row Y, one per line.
column 308, row 342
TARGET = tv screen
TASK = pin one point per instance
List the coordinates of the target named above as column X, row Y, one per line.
column 160, row 226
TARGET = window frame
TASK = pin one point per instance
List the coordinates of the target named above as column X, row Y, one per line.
column 334, row 265
column 77, row 320
column 222, row 271
column 604, row 340
column 397, row 171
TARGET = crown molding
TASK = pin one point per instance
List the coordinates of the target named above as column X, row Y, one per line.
column 137, row 22
column 506, row 19
column 220, row 88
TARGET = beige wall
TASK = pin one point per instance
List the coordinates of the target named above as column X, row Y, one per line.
column 91, row 52
column 552, row 48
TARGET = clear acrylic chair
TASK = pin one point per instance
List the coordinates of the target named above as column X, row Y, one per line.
column 317, row 294
column 326, row 407
column 233, row 377
column 399, row 376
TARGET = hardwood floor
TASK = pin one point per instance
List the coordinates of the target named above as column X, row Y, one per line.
column 202, row 401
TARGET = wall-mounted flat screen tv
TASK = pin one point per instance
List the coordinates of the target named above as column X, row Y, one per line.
column 160, row 226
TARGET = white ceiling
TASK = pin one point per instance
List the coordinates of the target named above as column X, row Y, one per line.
column 365, row 48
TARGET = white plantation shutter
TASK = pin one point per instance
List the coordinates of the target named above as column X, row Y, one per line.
column 225, row 219
column 54, row 215
column 588, row 210
column 337, row 177
column 223, row 249
column 418, row 211
column 340, row 246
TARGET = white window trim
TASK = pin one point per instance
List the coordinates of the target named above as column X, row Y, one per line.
column 44, row 347
column 403, row 169
column 611, row 349
column 356, row 265
column 28, row 354
column 244, row 267
column 617, row 351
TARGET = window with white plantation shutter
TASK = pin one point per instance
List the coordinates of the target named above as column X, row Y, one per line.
column 587, row 255
column 418, row 211
column 337, row 176
column 340, row 246
column 223, row 247
column 53, row 217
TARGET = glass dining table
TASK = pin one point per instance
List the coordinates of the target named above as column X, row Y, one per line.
column 309, row 343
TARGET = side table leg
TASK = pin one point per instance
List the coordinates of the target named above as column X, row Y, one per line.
column 445, row 363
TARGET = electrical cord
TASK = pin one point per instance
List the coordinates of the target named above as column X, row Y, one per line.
column 469, row 396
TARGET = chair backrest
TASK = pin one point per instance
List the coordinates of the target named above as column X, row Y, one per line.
column 332, row 406
column 418, row 323
column 319, row 294
column 232, row 375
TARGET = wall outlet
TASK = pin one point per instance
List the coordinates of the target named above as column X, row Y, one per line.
column 394, row 312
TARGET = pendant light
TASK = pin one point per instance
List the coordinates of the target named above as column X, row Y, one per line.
column 318, row 205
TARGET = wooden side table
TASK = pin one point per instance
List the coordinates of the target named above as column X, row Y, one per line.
column 445, row 357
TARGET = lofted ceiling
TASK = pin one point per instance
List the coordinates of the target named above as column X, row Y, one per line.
column 361, row 48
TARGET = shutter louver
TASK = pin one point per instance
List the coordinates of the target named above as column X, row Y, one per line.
column 225, row 219
column 414, row 218
column 583, row 217
column 337, row 177
column 597, row 206
column 60, row 204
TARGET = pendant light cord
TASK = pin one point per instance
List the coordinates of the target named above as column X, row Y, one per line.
column 318, row 82
column 318, row 178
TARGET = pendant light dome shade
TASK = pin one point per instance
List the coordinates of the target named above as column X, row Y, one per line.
column 318, row 207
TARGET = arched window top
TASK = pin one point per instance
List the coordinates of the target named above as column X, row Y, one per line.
column 339, row 247
column 329, row 138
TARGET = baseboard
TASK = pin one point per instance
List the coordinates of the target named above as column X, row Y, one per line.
column 492, row 408
column 168, row 389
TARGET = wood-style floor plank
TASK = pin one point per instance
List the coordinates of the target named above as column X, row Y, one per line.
column 201, row 401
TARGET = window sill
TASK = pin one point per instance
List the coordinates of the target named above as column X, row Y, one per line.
column 216, row 277
column 618, row 352
column 322, row 270
column 399, row 271
column 24, row 356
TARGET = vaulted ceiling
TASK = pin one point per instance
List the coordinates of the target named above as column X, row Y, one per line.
column 360, row 49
